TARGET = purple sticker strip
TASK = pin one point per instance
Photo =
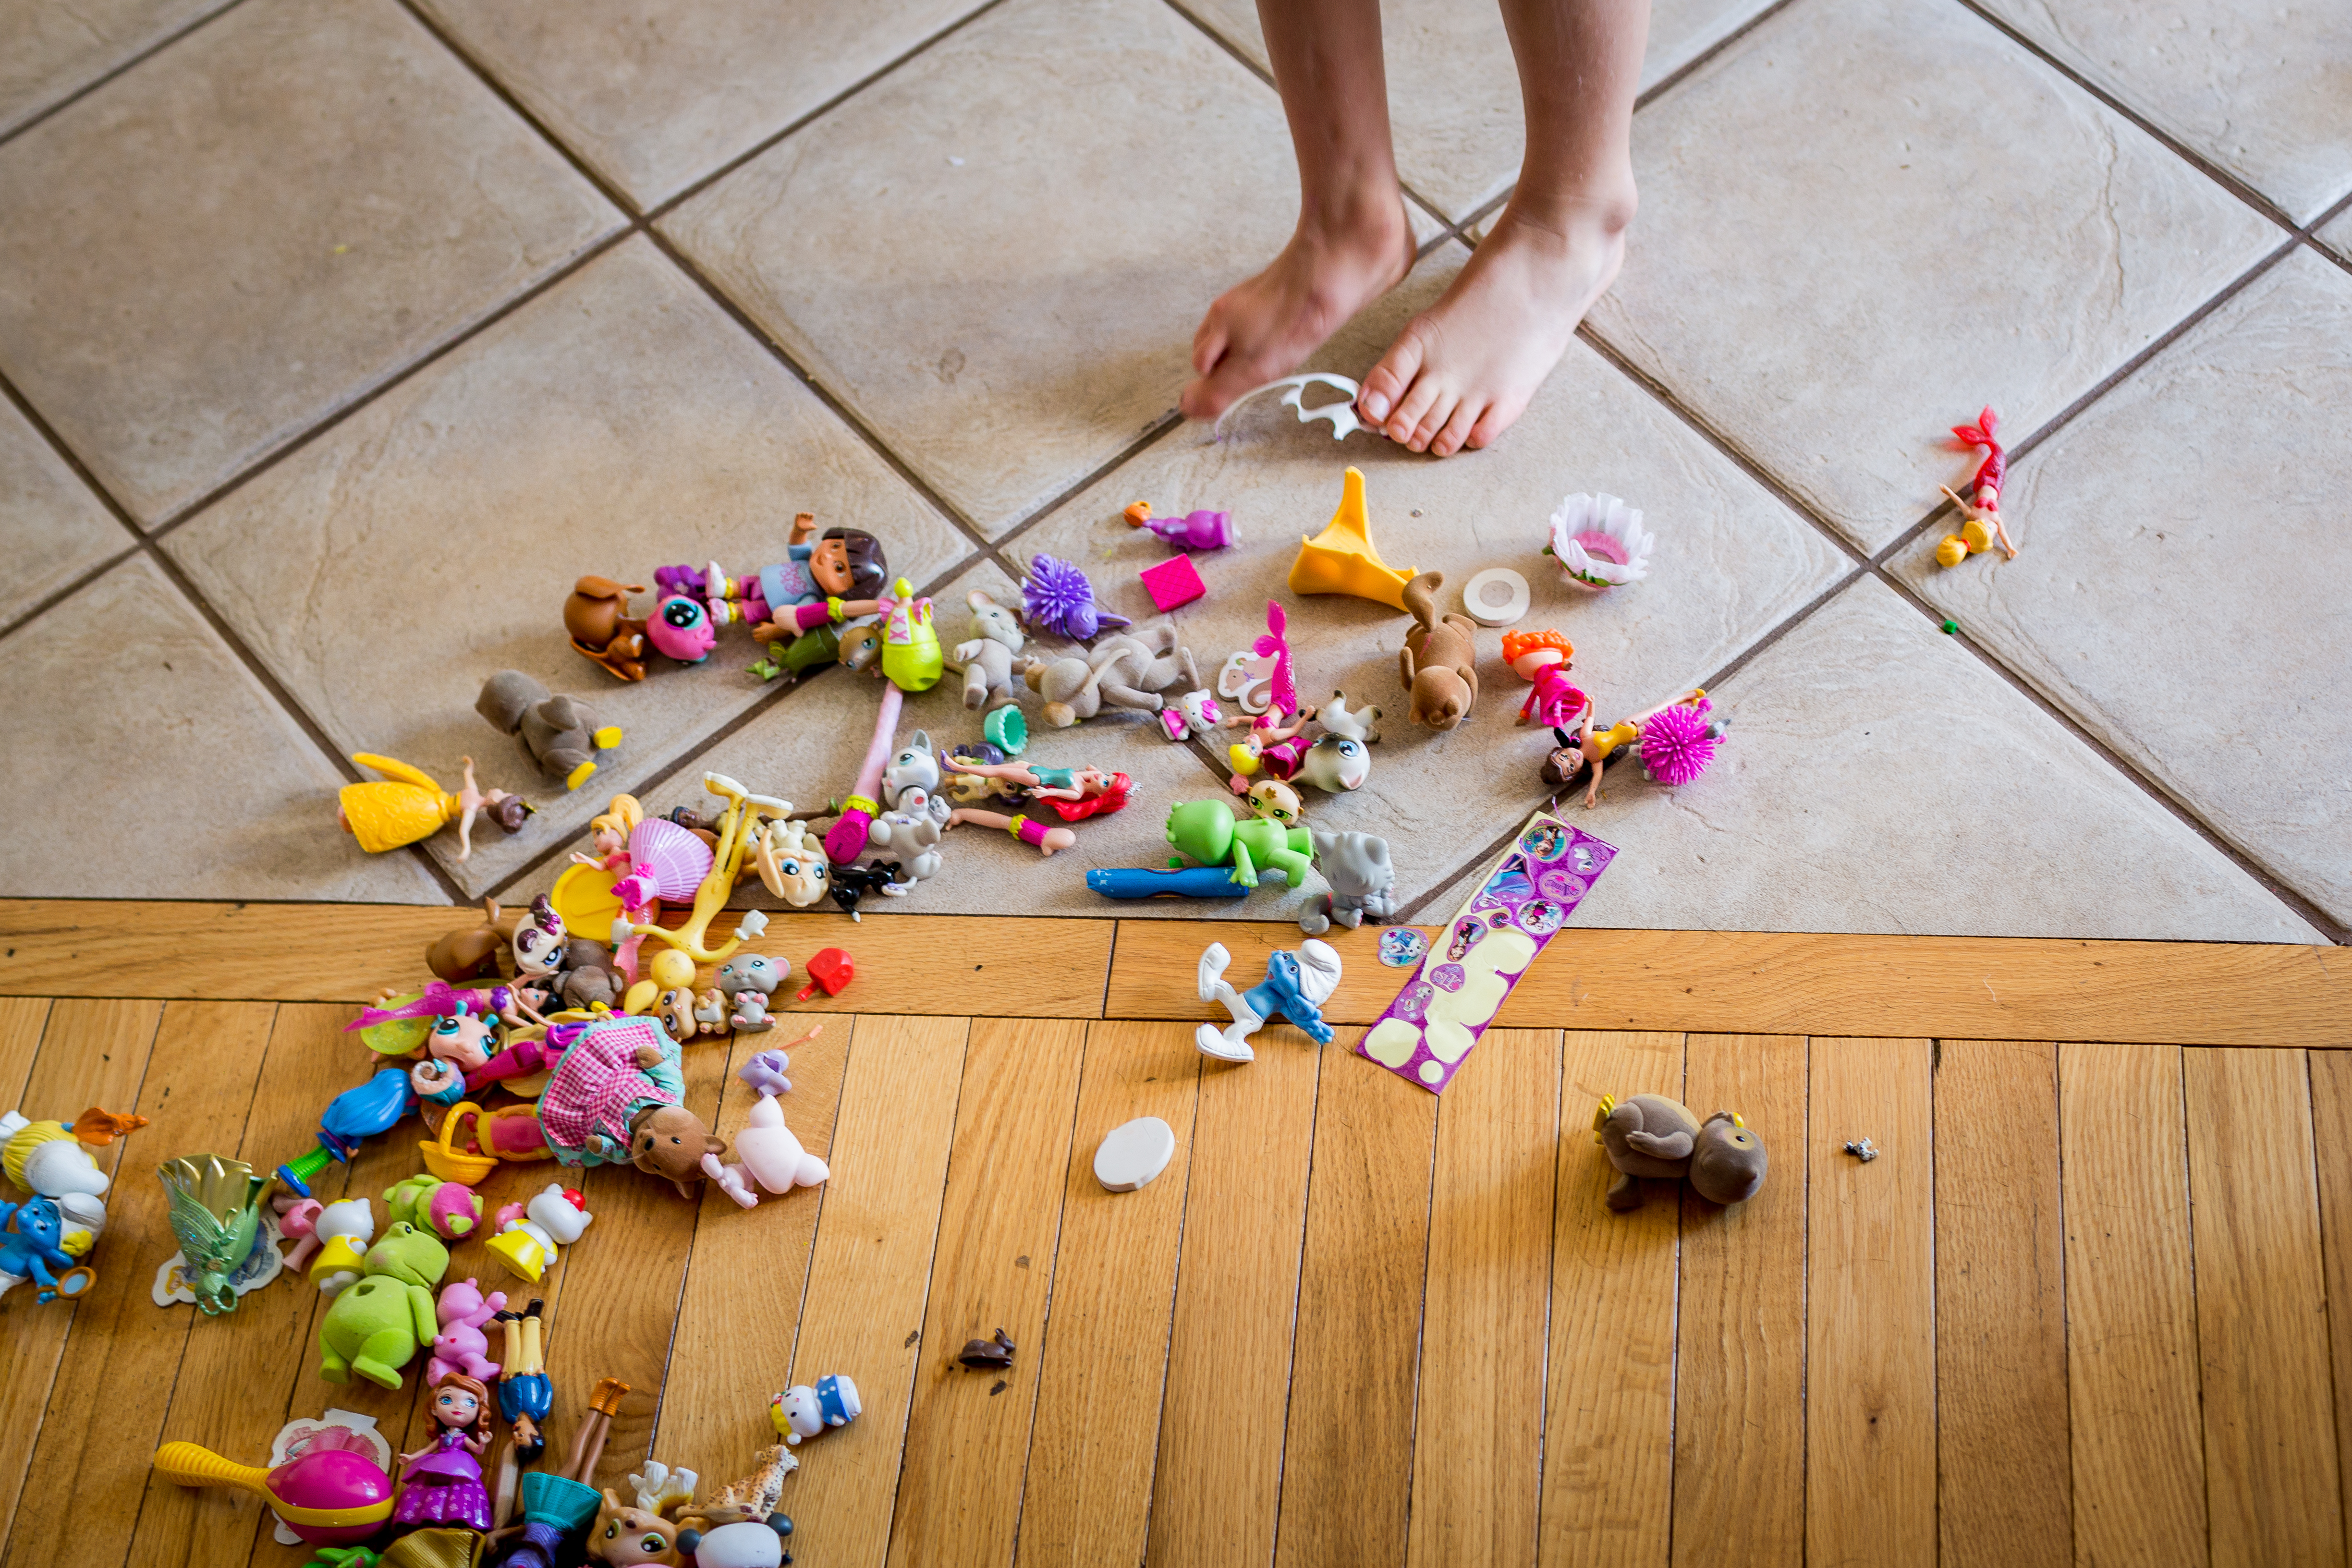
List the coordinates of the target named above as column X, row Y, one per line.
column 1427, row 1032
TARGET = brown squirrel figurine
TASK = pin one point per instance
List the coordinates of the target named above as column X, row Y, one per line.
column 1440, row 657
column 597, row 617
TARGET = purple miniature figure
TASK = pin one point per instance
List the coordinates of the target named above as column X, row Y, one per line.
column 1196, row 530
column 1059, row 598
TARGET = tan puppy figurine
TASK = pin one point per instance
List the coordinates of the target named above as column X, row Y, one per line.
column 1439, row 661
column 1651, row 1136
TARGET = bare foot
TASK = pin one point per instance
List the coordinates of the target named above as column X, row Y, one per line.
column 1462, row 371
column 1264, row 326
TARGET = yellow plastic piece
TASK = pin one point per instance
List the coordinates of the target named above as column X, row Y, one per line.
column 1342, row 559
column 406, row 805
column 1951, row 550
column 579, row 775
column 638, row 999
column 607, row 738
column 520, row 1250
column 191, row 1465
column 582, row 894
column 671, row 969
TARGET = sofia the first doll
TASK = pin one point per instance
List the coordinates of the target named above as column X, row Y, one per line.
column 1544, row 659
column 442, row 1484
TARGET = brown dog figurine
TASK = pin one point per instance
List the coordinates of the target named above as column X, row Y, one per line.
column 1653, row 1136
column 597, row 616
column 1440, row 657
column 471, row 952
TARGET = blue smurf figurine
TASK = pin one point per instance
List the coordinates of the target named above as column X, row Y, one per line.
column 31, row 1236
column 1296, row 987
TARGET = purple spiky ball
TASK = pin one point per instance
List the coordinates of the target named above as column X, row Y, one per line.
column 1059, row 598
column 1675, row 745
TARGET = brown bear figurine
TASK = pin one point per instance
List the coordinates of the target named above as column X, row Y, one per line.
column 1651, row 1136
column 597, row 617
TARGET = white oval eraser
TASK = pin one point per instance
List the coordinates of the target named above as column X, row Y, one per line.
column 1130, row 1156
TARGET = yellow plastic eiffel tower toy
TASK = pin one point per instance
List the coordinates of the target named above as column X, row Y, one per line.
column 1342, row 557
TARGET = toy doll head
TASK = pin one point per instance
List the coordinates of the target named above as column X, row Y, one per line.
column 848, row 563
column 1527, row 653
column 681, row 628
column 1106, row 794
column 539, row 942
column 612, row 830
column 463, row 1037
column 626, row 1537
column 670, row 1141
column 1275, row 801
column 460, row 1401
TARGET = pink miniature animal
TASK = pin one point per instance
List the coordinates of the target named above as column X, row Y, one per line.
column 767, row 1154
column 296, row 1216
column 461, row 1346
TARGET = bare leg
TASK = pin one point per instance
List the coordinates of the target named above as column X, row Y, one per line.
column 1465, row 368
column 1352, row 243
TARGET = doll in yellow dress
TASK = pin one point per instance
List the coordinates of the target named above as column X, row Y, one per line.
column 409, row 804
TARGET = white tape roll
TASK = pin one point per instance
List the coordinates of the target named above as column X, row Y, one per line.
column 1496, row 597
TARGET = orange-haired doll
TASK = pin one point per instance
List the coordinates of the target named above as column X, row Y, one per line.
column 1544, row 659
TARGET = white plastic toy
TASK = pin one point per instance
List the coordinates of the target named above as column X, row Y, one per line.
column 46, row 1159
column 1599, row 543
column 801, row 1411
column 1296, row 987
column 342, row 1232
column 767, row 1154
column 1340, row 412
column 531, row 1236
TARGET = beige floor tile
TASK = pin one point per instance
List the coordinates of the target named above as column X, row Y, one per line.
column 617, row 422
column 2179, row 588
column 208, row 254
column 54, row 49
column 1731, row 563
column 1454, row 90
column 1970, row 812
column 2337, row 237
column 2258, row 89
column 654, row 94
column 997, row 254
column 56, row 529
column 1867, row 218
column 181, row 737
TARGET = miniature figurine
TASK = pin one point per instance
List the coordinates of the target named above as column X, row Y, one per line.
column 358, row 1114
column 738, row 832
column 298, row 1218
column 1195, row 714
column 524, row 1392
column 344, row 1231
column 987, row 1354
column 214, row 1209
column 1686, row 747
column 1543, row 659
column 767, row 1154
column 375, row 1327
column 1862, row 1149
column 1277, row 741
column 1127, row 671
column 915, row 765
column 816, row 647
column 1363, row 882
column 1342, row 557
column 658, row 859
column 32, row 1246
column 563, row 735
column 792, row 863
column 1275, row 802
column 408, row 806
column 681, row 628
column 449, row 1209
column 986, row 661
column 803, row 1411
column 1165, row 881
column 1074, row 794
column 461, row 1346
column 597, row 618
column 471, row 952
column 1208, row 832
column 616, row 1096
column 840, row 571
column 912, row 659
column 913, row 831
column 1651, row 1136
column 442, row 1484
column 1195, row 530
column 1599, row 543
column 1057, row 598
column 529, row 1238
column 1981, row 526
column 748, row 980
column 557, row 1506
column 1296, row 987
column 851, row 883
column 1440, row 658
column 830, row 970
column 51, row 1159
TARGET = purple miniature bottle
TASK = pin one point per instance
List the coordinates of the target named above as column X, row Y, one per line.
column 1196, row 530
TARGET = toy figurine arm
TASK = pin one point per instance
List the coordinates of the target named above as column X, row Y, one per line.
column 420, row 1310
column 1676, row 1145
column 1244, row 869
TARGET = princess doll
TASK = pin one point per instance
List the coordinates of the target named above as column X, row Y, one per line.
column 1073, row 794
column 656, row 857
column 409, row 804
column 442, row 1484
column 1544, row 659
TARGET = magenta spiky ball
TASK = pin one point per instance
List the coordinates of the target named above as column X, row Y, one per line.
column 1675, row 745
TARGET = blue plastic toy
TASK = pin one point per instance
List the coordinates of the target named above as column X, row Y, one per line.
column 1151, row 882
column 353, row 1115
column 29, row 1237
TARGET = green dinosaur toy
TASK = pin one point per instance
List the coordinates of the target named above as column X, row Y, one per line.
column 1208, row 831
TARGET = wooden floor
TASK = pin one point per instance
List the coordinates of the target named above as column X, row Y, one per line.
column 2078, row 1310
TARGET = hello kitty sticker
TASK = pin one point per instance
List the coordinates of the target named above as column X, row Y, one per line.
column 1472, row 965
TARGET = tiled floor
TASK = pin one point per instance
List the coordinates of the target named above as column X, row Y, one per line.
column 338, row 338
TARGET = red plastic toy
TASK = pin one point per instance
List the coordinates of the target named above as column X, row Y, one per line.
column 829, row 970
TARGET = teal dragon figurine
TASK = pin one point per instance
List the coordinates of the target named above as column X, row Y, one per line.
column 216, row 1211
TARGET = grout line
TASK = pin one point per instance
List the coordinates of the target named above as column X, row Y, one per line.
column 1691, row 67
column 145, row 54
column 1805, row 1340
column 2187, row 154
column 668, row 204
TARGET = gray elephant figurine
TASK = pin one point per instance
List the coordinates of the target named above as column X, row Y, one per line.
column 1649, row 1135
column 564, row 734
column 1362, row 882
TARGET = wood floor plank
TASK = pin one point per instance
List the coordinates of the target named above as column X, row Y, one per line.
column 1977, row 987
column 2131, row 1308
column 870, row 1270
column 1479, row 1426
column 116, row 1376
column 2272, row 1482
column 1739, row 1385
column 968, row 1434
column 1104, row 1360
column 349, row 952
column 1608, row 1471
column 2004, row 1500
column 2331, row 1120
column 22, row 1019
column 1870, row 1391
column 92, row 1053
column 741, row 1309
column 1221, row 1427
column 1347, row 1468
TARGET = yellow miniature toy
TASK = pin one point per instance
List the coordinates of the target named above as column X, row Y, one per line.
column 408, row 805
column 1342, row 557
column 911, row 656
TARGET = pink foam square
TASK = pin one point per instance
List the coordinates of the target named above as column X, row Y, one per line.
column 1172, row 583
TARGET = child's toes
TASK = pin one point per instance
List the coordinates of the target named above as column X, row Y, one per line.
column 1385, row 387
column 1458, row 425
column 1498, row 418
column 1433, row 420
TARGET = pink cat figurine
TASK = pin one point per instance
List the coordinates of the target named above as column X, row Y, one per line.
column 461, row 1346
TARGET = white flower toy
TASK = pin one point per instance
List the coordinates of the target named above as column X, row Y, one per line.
column 1598, row 541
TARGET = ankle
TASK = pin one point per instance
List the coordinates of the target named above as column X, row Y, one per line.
column 1598, row 209
column 1366, row 221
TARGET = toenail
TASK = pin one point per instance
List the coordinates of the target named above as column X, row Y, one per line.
column 1375, row 405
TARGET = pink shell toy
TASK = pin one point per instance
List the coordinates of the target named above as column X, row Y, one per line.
column 1679, row 741
column 680, row 627
column 666, row 861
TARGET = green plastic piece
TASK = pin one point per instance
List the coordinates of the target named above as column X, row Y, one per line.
column 1006, row 728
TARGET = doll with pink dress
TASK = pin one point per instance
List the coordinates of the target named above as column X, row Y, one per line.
column 442, row 1484
column 1542, row 659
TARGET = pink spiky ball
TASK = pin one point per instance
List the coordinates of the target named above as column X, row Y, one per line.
column 1676, row 745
